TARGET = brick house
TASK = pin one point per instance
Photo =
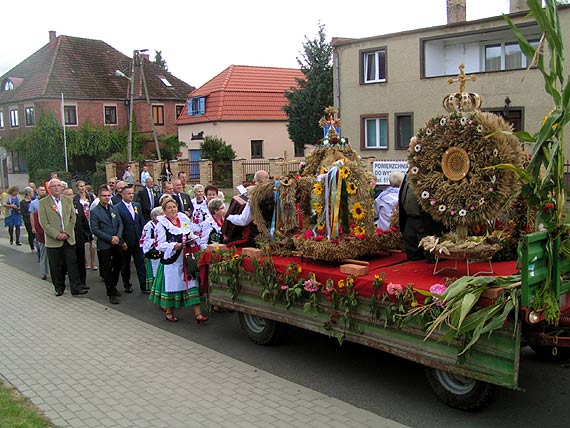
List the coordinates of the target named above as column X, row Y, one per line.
column 243, row 105
column 83, row 72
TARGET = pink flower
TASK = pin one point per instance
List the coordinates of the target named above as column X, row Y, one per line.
column 379, row 232
column 452, row 212
column 432, row 202
column 438, row 289
column 311, row 286
column 308, row 234
column 284, row 287
column 491, row 189
column 394, row 289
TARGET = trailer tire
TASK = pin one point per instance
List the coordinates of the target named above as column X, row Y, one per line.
column 260, row 330
column 460, row 392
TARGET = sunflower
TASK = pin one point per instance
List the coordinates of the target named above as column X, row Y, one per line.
column 344, row 172
column 318, row 207
column 351, row 188
column 318, row 188
column 358, row 231
column 342, row 283
column 358, row 211
column 321, row 227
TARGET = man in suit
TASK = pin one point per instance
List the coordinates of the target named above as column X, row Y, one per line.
column 56, row 216
column 148, row 198
column 183, row 200
column 131, row 216
column 107, row 226
column 117, row 198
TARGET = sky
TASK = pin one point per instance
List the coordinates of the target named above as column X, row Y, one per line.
column 200, row 39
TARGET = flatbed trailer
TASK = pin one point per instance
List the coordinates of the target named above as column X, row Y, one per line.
column 468, row 381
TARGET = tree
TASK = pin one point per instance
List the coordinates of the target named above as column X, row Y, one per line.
column 314, row 92
column 159, row 61
column 216, row 149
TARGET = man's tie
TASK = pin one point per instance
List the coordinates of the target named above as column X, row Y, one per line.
column 150, row 198
column 181, row 202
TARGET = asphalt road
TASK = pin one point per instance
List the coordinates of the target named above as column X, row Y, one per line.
column 381, row 383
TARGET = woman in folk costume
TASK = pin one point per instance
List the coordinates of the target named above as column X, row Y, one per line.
column 172, row 287
column 148, row 243
column 211, row 227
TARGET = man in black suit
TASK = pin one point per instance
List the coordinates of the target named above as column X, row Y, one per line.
column 183, row 200
column 131, row 216
column 148, row 198
column 107, row 226
column 117, row 198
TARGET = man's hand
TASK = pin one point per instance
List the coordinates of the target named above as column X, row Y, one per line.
column 124, row 246
column 62, row 236
column 115, row 240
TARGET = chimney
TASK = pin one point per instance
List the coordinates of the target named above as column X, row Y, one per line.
column 144, row 57
column 456, row 11
column 52, row 36
column 517, row 6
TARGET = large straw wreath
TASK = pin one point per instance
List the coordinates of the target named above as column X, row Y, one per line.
column 452, row 163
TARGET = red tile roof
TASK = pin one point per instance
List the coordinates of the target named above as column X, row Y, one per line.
column 244, row 93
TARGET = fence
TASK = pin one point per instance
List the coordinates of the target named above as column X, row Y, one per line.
column 191, row 168
column 249, row 168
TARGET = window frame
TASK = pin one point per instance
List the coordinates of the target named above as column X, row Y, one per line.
column 197, row 106
column 14, row 117
column 29, row 116
column 70, row 114
column 158, row 114
column 251, row 146
column 397, row 136
column 178, row 109
column 1, row 119
column 113, row 107
column 364, row 55
column 364, row 129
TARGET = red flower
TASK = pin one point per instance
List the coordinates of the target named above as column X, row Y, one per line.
column 319, row 238
column 379, row 232
column 547, row 207
column 308, row 234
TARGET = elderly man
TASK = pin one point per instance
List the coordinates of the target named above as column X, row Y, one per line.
column 182, row 199
column 245, row 217
column 56, row 215
column 118, row 192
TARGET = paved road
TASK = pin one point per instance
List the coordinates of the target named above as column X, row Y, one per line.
column 377, row 382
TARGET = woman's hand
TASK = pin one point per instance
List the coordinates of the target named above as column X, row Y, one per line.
column 178, row 246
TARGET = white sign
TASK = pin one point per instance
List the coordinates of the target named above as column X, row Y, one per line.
column 382, row 170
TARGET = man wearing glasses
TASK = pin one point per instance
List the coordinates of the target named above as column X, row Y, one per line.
column 56, row 215
column 112, row 183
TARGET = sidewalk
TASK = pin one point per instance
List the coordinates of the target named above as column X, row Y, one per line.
column 87, row 365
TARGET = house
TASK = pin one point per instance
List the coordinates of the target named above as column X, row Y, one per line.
column 92, row 81
column 243, row 105
column 386, row 87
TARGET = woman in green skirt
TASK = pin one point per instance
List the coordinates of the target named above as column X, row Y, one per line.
column 172, row 287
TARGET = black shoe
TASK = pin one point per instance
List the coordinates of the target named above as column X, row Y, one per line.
column 18, row 244
column 79, row 293
column 128, row 288
column 59, row 293
column 117, row 293
column 44, row 277
column 85, row 287
column 113, row 300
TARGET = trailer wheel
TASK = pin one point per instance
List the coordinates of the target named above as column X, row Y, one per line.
column 460, row 392
column 260, row 330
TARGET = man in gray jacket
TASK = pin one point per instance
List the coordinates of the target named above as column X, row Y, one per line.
column 107, row 226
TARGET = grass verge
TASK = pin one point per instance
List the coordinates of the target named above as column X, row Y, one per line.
column 17, row 412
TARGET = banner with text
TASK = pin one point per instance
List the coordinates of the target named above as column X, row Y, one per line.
column 382, row 170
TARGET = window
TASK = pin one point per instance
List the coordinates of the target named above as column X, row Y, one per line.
column 197, row 106
column 110, row 115
column 374, row 66
column 8, row 85
column 299, row 150
column 14, row 123
column 486, row 50
column 1, row 120
column 404, row 130
column 374, row 132
column 179, row 109
column 506, row 56
column 165, row 81
column 30, row 116
column 256, row 149
column 158, row 115
column 70, row 115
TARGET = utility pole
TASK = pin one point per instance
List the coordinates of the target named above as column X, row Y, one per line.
column 131, row 99
column 150, row 111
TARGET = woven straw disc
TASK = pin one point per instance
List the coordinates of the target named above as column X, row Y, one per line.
column 455, row 163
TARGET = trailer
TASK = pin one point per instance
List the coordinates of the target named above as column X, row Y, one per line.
column 466, row 381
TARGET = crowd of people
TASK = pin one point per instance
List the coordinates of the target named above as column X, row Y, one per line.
column 73, row 229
